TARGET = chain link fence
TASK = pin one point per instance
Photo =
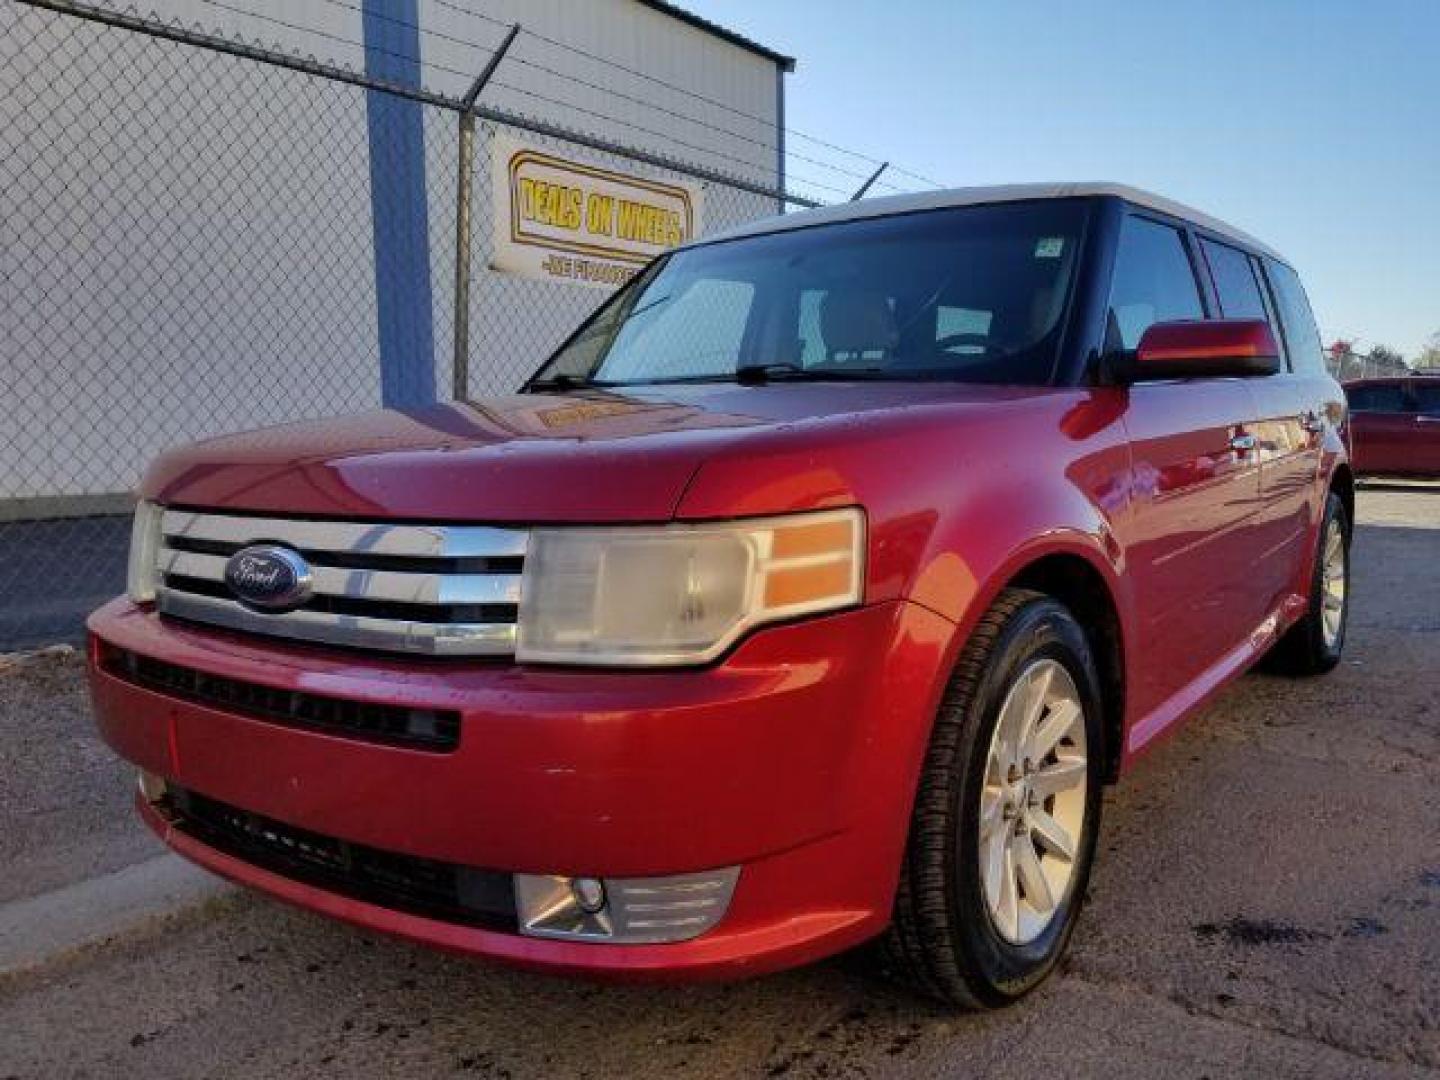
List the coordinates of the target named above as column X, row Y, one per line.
column 188, row 248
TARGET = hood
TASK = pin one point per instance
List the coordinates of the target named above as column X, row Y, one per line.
column 585, row 456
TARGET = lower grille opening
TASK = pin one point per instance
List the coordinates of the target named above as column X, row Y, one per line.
column 437, row 890
column 396, row 725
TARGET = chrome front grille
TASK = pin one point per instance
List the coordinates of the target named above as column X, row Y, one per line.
column 441, row 590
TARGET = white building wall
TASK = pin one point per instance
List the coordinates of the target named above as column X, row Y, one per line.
column 186, row 242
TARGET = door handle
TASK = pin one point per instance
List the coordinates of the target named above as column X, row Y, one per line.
column 1242, row 444
column 1312, row 422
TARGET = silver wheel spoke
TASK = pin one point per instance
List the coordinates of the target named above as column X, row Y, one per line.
column 1034, row 704
column 1058, row 776
column 1052, row 837
column 992, row 807
column 1007, row 909
column 1056, row 726
column 1027, row 867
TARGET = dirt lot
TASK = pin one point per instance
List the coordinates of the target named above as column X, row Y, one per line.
column 1267, row 903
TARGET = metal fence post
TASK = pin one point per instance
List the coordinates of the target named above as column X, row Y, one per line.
column 464, row 185
column 860, row 192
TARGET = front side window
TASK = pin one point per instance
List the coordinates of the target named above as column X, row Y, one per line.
column 1302, row 336
column 1153, row 282
column 968, row 294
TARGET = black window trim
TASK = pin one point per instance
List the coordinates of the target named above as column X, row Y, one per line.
column 1249, row 257
column 1272, row 310
column 1261, row 271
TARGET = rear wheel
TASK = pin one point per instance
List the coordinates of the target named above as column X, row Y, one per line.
column 1314, row 645
column 1005, row 820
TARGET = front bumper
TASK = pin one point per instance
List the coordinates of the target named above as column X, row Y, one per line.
column 794, row 759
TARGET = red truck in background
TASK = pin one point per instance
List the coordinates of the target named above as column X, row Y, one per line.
column 808, row 595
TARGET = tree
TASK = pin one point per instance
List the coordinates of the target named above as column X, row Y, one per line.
column 1384, row 360
column 1429, row 358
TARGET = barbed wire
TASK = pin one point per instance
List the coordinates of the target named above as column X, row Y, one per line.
column 581, row 109
column 769, row 124
column 611, row 62
column 514, row 58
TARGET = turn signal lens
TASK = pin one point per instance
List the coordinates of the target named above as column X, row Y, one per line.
column 681, row 594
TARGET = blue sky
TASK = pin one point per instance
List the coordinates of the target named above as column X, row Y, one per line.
column 1314, row 124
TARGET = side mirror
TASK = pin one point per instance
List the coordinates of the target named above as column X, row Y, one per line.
column 1199, row 349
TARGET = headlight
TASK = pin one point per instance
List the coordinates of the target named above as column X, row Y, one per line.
column 143, row 574
column 681, row 594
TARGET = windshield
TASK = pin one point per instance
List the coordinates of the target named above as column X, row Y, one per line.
column 972, row 294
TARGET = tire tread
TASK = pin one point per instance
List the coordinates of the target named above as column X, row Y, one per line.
column 919, row 947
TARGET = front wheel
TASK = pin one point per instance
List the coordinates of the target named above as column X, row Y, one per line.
column 1003, row 832
column 1314, row 644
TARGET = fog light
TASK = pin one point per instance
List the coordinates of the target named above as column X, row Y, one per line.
column 623, row 910
column 589, row 894
column 152, row 787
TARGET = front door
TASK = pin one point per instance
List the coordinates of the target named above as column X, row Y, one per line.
column 1195, row 480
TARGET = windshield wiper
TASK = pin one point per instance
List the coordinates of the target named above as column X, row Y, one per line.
column 755, row 374
column 559, row 381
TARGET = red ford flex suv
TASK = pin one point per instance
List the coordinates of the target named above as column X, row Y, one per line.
column 807, row 595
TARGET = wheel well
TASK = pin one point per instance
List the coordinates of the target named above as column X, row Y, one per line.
column 1074, row 582
column 1343, row 484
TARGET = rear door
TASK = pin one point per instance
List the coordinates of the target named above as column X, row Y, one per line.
column 1383, row 427
column 1195, row 481
column 1426, row 394
column 1286, row 450
column 1313, row 399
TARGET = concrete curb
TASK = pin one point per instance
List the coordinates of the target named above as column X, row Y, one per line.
column 39, row 929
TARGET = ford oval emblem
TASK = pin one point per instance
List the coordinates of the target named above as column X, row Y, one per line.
column 270, row 577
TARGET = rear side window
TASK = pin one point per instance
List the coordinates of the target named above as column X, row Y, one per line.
column 1427, row 398
column 1302, row 336
column 1235, row 284
column 1380, row 397
column 1153, row 282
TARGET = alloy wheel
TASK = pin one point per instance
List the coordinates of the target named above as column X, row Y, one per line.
column 1334, row 584
column 1032, row 805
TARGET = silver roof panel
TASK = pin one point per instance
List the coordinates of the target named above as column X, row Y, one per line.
column 975, row 196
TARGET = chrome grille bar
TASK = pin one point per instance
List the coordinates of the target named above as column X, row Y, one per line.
column 397, row 586
column 350, row 537
column 437, row 590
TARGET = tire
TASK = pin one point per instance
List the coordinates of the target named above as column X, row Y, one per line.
column 1311, row 646
column 946, row 938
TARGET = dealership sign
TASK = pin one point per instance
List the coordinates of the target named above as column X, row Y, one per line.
column 563, row 220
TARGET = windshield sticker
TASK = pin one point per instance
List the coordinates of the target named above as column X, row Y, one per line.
column 1049, row 247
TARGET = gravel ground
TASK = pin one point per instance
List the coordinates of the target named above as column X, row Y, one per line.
column 63, row 793
column 1267, row 902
